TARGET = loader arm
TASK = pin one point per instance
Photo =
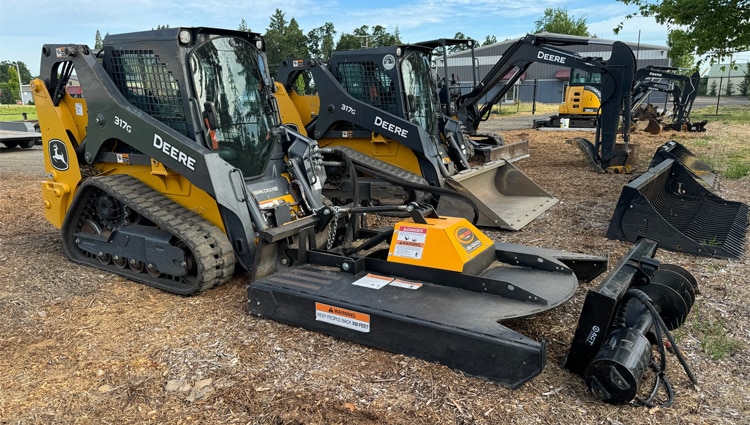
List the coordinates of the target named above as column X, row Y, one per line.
column 338, row 106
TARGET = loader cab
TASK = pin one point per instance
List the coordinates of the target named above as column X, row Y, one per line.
column 396, row 79
column 209, row 84
column 230, row 80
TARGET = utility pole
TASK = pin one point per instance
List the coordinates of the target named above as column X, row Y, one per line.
column 20, row 87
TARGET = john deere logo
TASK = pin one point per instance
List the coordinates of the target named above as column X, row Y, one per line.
column 389, row 62
column 465, row 235
column 58, row 155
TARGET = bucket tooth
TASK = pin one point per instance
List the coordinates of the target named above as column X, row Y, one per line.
column 670, row 204
column 504, row 196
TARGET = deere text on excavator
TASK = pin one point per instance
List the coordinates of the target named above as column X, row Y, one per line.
column 173, row 168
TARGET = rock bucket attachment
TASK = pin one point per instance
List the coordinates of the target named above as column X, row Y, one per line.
column 681, row 154
column 671, row 205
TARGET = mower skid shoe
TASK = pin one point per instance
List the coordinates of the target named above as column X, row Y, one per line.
column 505, row 196
column 681, row 154
column 670, row 204
column 447, row 317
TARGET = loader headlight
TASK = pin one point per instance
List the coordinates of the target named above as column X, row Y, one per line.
column 185, row 37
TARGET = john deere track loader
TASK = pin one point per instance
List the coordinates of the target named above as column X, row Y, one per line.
column 173, row 168
column 383, row 104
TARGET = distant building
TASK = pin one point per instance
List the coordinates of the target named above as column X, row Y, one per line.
column 551, row 81
column 720, row 74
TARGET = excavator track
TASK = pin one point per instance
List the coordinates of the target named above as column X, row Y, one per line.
column 120, row 225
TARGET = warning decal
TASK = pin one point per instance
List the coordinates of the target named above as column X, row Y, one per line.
column 410, row 242
column 342, row 317
column 372, row 281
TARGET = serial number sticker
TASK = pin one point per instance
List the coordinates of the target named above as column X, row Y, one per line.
column 372, row 281
column 406, row 284
column 338, row 316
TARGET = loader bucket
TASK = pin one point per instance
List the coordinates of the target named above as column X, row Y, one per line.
column 669, row 204
column 505, row 197
column 681, row 154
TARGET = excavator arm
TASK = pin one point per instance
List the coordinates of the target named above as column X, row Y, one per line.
column 683, row 89
column 617, row 76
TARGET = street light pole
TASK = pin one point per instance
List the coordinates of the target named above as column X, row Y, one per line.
column 20, row 87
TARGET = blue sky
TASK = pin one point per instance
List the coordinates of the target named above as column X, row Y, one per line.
column 26, row 26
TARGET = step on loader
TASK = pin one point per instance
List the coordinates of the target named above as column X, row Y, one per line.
column 673, row 202
column 172, row 169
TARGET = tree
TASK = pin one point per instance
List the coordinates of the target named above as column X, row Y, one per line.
column 490, row 39
column 10, row 90
column 459, row 47
column 558, row 21
column 284, row 40
column 729, row 88
column 703, row 87
column 98, row 43
column 713, row 91
column 320, row 41
column 5, row 71
column 362, row 38
column 243, row 26
column 714, row 28
column 680, row 53
column 744, row 86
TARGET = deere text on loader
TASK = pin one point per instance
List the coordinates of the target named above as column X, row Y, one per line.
column 173, row 168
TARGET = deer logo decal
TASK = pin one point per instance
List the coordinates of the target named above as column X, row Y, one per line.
column 58, row 155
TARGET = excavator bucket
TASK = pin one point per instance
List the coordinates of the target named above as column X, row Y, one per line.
column 504, row 196
column 671, row 205
column 653, row 127
column 681, row 154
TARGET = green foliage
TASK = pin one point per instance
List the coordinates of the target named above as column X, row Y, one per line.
column 680, row 50
column 243, row 26
column 15, row 112
column 709, row 27
column 459, row 47
column 362, row 38
column 714, row 338
column 5, row 71
column 729, row 88
column 98, row 42
column 703, row 87
column 490, row 39
column 284, row 40
column 320, row 41
column 558, row 20
column 744, row 87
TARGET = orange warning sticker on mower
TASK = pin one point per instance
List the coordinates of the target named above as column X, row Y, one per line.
column 345, row 318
